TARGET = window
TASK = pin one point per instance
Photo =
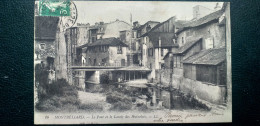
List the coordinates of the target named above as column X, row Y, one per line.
column 175, row 61
column 144, row 52
column 42, row 46
column 182, row 39
column 119, row 50
column 150, row 51
column 161, row 52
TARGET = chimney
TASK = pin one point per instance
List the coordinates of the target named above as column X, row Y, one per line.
column 148, row 28
column 136, row 24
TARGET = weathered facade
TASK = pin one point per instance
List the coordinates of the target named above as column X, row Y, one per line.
column 74, row 37
column 44, row 44
column 202, row 34
column 157, row 42
column 199, row 64
column 142, row 29
column 106, row 52
column 107, row 30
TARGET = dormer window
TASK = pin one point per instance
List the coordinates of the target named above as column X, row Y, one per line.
column 42, row 46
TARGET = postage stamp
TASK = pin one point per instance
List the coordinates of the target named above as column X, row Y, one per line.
column 111, row 62
column 54, row 7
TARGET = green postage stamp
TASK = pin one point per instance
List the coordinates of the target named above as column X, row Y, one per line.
column 54, row 7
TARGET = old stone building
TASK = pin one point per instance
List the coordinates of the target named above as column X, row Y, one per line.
column 199, row 64
column 107, row 30
column 75, row 37
column 105, row 52
column 204, row 33
column 157, row 42
column 44, row 44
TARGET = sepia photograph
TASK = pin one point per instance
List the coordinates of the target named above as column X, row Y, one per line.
column 118, row 62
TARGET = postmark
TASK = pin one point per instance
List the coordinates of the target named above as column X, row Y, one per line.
column 54, row 7
column 69, row 21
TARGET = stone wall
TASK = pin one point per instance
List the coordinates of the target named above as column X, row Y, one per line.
column 204, row 91
column 210, row 30
column 115, row 58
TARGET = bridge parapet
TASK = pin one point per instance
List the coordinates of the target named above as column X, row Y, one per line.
column 96, row 67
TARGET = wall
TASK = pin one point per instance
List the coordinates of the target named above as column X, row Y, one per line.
column 212, row 93
column 209, row 92
column 125, row 37
column 90, row 56
column 61, row 63
column 113, row 29
column 167, row 26
column 143, row 30
column 194, row 49
column 82, row 36
column 189, row 71
column 209, row 30
column 114, row 58
column 79, row 79
column 48, row 51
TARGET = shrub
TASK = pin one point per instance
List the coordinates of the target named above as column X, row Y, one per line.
column 121, row 106
column 91, row 107
column 58, row 96
column 119, row 101
column 142, row 107
column 48, row 105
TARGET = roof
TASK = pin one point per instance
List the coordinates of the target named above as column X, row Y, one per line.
column 177, row 24
column 188, row 45
column 134, row 68
column 196, row 56
column 208, row 57
column 210, row 17
column 105, row 24
column 166, row 39
column 46, row 27
column 105, row 41
column 142, row 26
column 167, row 55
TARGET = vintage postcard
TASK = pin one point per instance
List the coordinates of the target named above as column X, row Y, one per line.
column 103, row 62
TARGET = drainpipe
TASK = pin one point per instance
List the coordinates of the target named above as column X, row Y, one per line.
column 159, row 53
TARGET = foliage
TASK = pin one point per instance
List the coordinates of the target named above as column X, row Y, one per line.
column 58, row 96
column 91, row 107
column 119, row 101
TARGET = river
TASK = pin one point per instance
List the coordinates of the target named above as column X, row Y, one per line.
column 153, row 96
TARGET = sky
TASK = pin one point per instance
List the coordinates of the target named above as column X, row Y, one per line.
column 142, row 11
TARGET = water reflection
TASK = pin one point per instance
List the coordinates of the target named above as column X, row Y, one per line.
column 152, row 96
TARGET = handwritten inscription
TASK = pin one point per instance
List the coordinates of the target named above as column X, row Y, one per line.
column 169, row 117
